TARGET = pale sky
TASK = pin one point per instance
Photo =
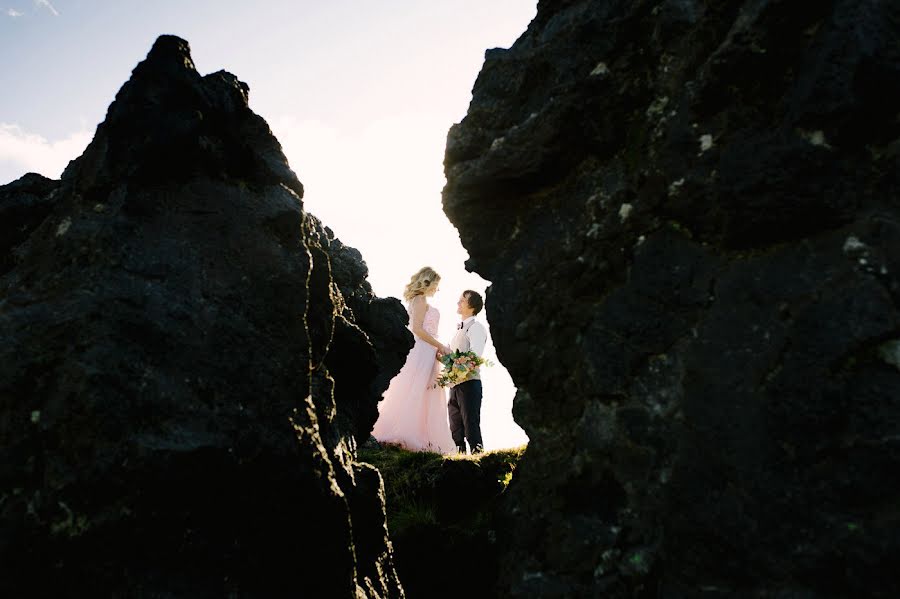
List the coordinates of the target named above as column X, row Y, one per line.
column 360, row 94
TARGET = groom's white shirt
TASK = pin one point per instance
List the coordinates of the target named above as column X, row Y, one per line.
column 471, row 337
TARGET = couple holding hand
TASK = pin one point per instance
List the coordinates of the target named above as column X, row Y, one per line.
column 414, row 411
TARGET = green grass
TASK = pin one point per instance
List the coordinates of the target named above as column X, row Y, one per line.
column 411, row 479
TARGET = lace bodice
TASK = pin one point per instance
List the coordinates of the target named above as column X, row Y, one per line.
column 431, row 321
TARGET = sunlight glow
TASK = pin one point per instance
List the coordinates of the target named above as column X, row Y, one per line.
column 360, row 95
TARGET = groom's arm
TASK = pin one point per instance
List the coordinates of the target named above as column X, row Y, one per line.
column 477, row 338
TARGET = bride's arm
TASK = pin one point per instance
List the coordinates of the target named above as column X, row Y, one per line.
column 419, row 307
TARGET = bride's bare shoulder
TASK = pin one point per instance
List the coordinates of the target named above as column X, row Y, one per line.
column 418, row 303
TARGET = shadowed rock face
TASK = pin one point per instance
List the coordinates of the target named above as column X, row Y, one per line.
column 187, row 359
column 690, row 213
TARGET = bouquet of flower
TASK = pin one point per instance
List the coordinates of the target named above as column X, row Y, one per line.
column 459, row 366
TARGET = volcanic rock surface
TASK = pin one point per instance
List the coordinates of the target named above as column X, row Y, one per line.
column 188, row 359
column 690, row 215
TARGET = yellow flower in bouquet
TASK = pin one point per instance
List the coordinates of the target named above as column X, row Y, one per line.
column 459, row 367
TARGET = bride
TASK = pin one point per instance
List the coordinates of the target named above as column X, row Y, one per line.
column 413, row 412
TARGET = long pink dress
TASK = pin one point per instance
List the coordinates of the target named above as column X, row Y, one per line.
column 413, row 411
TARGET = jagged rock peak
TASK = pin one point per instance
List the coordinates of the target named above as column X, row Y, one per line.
column 168, row 124
column 170, row 59
column 170, row 50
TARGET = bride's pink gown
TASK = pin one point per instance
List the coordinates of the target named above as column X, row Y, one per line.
column 413, row 412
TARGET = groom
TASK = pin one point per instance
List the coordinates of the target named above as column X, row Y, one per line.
column 464, row 406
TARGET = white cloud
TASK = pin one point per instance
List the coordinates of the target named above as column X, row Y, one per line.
column 46, row 4
column 12, row 12
column 22, row 151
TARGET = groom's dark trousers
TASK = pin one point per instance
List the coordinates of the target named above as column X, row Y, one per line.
column 464, row 408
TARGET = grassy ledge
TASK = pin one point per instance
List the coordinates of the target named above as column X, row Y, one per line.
column 442, row 514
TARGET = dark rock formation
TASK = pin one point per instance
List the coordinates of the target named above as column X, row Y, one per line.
column 186, row 360
column 443, row 515
column 690, row 213
column 24, row 204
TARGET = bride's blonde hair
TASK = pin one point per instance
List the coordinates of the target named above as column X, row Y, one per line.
column 421, row 282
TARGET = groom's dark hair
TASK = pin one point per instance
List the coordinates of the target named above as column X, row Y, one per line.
column 474, row 299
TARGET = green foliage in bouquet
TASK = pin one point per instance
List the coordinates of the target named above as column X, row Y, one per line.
column 459, row 366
